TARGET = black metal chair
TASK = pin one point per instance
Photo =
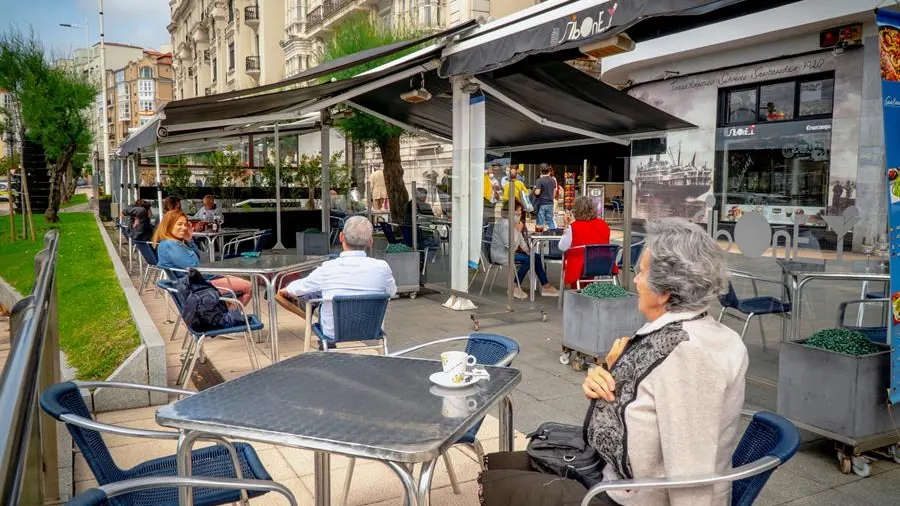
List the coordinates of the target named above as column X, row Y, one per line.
column 756, row 305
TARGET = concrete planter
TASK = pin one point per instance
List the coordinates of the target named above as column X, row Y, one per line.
column 591, row 325
column 838, row 393
column 405, row 267
column 105, row 209
column 312, row 243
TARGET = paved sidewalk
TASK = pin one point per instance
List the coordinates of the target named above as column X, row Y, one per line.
column 549, row 391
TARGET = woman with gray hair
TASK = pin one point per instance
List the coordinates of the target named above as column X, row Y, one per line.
column 665, row 402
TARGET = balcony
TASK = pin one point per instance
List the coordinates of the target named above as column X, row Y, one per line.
column 251, row 16
column 252, row 65
column 314, row 19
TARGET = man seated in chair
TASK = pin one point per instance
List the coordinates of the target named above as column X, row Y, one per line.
column 352, row 273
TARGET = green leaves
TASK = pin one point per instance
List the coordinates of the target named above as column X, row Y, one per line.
column 604, row 291
column 397, row 248
column 849, row 342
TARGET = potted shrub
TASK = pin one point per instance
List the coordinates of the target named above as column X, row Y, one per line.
column 404, row 263
column 312, row 241
column 836, row 381
column 595, row 317
column 105, row 207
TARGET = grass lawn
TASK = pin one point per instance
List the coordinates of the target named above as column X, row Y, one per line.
column 78, row 198
column 95, row 326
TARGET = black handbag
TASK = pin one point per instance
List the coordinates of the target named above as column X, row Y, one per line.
column 561, row 449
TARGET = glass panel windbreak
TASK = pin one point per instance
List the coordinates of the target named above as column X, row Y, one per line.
column 741, row 106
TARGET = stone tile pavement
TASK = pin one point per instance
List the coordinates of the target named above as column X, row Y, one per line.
column 549, row 391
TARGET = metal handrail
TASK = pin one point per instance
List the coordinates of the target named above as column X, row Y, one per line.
column 30, row 367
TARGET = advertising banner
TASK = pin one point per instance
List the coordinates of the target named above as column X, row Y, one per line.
column 889, row 47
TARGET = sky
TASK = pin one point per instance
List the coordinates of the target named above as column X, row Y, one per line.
column 136, row 22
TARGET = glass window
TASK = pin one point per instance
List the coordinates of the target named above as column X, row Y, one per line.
column 231, row 56
column 215, row 69
column 146, row 73
column 776, row 101
column 816, row 97
column 742, row 106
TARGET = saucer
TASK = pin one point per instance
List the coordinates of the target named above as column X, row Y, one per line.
column 442, row 379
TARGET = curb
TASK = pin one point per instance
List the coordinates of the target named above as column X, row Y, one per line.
column 147, row 364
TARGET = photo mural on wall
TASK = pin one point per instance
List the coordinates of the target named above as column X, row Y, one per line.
column 777, row 139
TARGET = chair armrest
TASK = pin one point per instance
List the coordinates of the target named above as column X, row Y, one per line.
column 307, row 334
column 124, row 487
column 754, row 279
column 89, row 424
column 842, row 308
column 228, row 291
column 425, row 345
column 131, row 386
column 762, row 465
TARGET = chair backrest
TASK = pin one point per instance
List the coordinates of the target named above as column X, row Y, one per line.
column 147, row 251
column 388, row 230
column 359, row 317
column 767, row 435
column 260, row 240
column 406, row 232
column 730, row 299
column 599, row 260
column 492, row 349
column 553, row 251
column 64, row 398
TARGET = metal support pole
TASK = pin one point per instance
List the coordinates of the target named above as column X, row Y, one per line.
column 413, row 218
column 107, row 172
column 369, row 214
column 135, row 176
column 513, row 220
column 584, row 178
column 121, row 184
column 626, row 240
column 159, row 198
column 325, row 120
column 278, row 244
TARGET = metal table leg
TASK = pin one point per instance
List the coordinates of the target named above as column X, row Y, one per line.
column 506, row 424
column 273, row 320
column 406, row 478
column 322, row 465
column 424, row 495
column 531, row 275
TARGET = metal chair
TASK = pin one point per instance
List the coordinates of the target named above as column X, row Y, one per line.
column 486, row 238
column 389, row 234
column 231, row 249
column 636, row 250
column 488, row 349
column 195, row 346
column 356, row 318
column 756, row 305
column 148, row 252
column 64, row 402
column 337, row 226
column 599, row 262
column 875, row 334
column 421, row 235
column 768, row 442
column 103, row 495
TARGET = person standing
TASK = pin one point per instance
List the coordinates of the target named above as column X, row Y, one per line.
column 545, row 191
column 379, row 190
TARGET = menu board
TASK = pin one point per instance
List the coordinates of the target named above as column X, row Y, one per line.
column 569, row 191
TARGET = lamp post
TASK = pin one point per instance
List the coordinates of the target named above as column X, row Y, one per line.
column 87, row 32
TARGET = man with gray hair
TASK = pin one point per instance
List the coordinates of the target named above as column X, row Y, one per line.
column 352, row 273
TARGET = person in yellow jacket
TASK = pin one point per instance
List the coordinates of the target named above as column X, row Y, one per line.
column 521, row 191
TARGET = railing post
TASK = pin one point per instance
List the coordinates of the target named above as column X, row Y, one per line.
column 49, row 375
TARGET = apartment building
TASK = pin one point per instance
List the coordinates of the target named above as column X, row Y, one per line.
column 6, row 122
column 136, row 91
column 225, row 45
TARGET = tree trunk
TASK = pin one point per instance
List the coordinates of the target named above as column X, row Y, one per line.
column 393, row 178
column 71, row 181
column 358, row 162
column 56, row 183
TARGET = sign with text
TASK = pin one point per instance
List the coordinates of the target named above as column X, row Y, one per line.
column 889, row 48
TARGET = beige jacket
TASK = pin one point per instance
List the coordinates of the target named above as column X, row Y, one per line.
column 679, row 395
column 379, row 190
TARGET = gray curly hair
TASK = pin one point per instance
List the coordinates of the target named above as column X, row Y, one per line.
column 686, row 263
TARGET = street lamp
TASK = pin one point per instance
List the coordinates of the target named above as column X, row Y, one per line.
column 87, row 31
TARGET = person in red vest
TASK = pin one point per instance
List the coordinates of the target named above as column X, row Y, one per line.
column 585, row 229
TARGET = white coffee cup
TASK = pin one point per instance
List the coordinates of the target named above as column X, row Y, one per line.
column 455, row 364
column 458, row 406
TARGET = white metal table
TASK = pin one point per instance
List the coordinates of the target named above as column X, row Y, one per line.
column 271, row 269
column 371, row 407
column 535, row 241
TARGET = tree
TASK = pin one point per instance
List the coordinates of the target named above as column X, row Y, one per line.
column 48, row 105
column 357, row 33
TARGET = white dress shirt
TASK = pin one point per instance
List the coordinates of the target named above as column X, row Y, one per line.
column 353, row 273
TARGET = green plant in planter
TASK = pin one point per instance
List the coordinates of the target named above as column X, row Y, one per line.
column 106, row 197
column 604, row 291
column 312, row 231
column 397, row 248
column 849, row 342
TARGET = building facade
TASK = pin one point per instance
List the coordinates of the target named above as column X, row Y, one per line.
column 136, row 91
column 9, row 139
column 225, row 45
column 787, row 104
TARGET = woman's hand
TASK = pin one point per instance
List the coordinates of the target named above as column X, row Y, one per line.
column 616, row 350
column 599, row 384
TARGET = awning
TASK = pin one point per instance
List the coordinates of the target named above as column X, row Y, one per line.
column 555, row 91
column 565, row 25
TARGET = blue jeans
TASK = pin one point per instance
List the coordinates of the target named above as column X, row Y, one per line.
column 545, row 216
column 525, row 264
